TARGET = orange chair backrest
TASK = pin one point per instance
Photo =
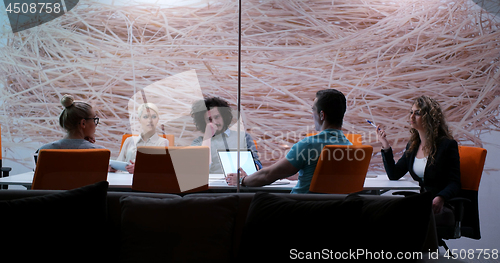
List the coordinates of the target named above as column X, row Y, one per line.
column 65, row 169
column 171, row 169
column 169, row 137
column 341, row 169
column 471, row 166
column 354, row 138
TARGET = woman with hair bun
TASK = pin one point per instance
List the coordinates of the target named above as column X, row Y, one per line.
column 79, row 120
column 431, row 155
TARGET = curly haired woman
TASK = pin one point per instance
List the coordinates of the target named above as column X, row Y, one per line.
column 431, row 155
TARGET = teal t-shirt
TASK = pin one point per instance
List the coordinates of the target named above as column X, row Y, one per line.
column 304, row 155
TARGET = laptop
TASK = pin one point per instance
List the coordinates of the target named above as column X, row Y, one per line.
column 228, row 160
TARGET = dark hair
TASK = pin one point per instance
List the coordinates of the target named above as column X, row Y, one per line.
column 333, row 103
column 202, row 106
column 434, row 123
column 73, row 113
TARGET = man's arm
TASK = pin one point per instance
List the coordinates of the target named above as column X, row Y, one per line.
column 251, row 145
column 281, row 169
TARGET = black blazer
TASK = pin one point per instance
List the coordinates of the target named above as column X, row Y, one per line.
column 441, row 178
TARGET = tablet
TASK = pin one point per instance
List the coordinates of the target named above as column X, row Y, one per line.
column 228, row 160
column 118, row 165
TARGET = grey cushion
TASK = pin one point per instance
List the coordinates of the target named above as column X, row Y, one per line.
column 277, row 224
column 401, row 223
column 62, row 227
column 177, row 230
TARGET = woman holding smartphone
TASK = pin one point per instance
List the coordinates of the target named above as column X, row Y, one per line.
column 431, row 156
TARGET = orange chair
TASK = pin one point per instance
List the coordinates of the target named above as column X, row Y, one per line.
column 4, row 170
column 354, row 138
column 169, row 137
column 471, row 166
column 466, row 203
column 68, row 169
column 341, row 169
column 171, row 169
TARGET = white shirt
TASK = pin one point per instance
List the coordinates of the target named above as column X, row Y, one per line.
column 129, row 148
column 419, row 166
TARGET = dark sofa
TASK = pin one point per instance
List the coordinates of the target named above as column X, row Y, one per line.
column 91, row 224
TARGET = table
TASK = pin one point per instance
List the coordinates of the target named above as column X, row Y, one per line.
column 116, row 180
column 217, row 183
column 377, row 183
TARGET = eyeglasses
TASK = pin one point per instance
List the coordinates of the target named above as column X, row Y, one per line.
column 96, row 120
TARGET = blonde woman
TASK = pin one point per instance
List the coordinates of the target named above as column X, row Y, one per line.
column 148, row 116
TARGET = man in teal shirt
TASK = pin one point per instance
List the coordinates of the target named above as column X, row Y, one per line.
column 328, row 109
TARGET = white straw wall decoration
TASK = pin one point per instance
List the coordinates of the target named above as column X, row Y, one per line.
column 381, row 54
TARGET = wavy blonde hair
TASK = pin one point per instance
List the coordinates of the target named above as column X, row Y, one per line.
column 434, row 123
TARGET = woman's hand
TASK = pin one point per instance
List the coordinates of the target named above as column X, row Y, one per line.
column 437, row 204
column 232, row 178
column 130, row 168
column 381, row 136
column 111, row 169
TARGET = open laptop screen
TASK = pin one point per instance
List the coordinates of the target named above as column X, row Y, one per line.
column 229, row 163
